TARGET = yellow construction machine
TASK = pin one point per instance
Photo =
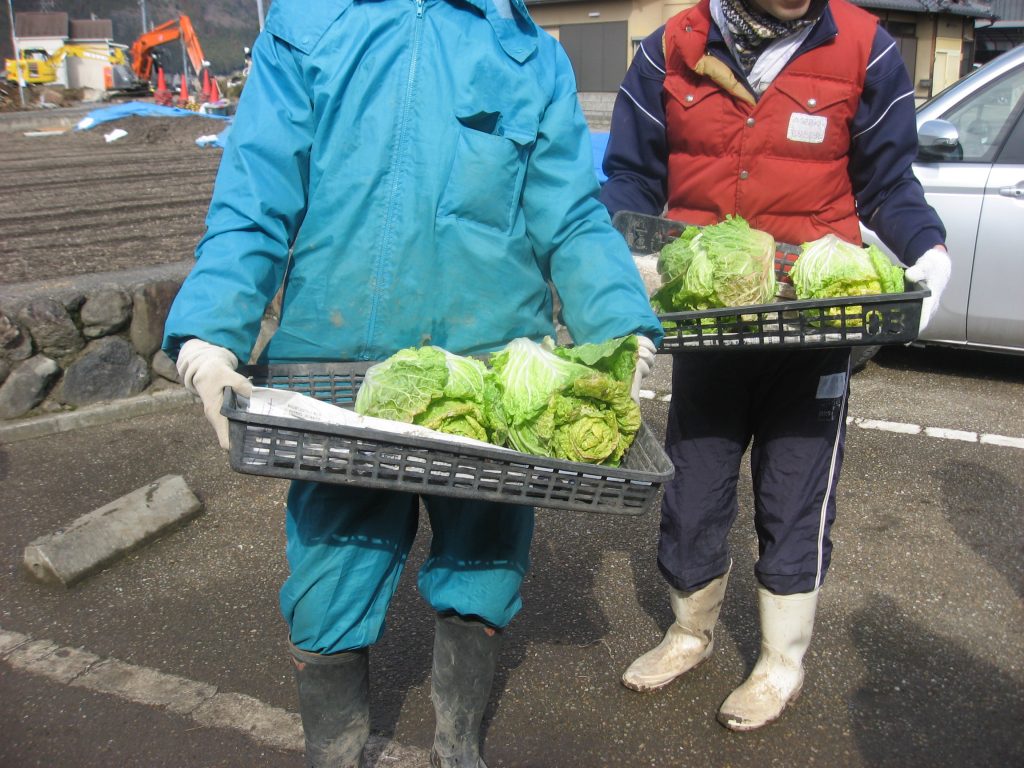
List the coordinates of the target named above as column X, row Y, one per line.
column 38, row 67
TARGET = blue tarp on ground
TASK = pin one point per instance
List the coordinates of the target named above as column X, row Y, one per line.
column 144, row 109
column 116, row 112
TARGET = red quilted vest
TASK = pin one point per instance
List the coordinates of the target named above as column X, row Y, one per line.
column 781, row 164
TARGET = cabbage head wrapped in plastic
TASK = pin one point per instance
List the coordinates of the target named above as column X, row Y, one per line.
column 436, row 389
column 569, row 403
column 723, row 265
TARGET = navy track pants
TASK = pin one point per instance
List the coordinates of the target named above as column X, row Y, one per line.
column 789, row 407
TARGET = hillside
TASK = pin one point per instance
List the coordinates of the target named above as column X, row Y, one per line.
column 224, row 27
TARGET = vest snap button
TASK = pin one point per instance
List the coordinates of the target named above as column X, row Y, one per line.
column 750, row 122
column 744, row 174
column 689, row 97
column 812, row 103
column 689, row 28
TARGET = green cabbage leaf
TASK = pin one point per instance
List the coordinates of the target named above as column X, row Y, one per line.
column 728, row 264
column 564, row 408
column 436, row 389
column 830, row 267
column 616, row 357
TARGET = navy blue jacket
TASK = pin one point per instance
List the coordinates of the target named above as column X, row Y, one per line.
column 890, row 199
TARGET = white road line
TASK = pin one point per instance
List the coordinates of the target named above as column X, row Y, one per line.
column 941, row 433
column 1006, row 442
column 884, row 426
column 203, row 703
column 951, row 434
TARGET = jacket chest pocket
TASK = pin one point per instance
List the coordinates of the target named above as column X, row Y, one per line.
column 487, row 172
column 811, row 116
column 696, row 115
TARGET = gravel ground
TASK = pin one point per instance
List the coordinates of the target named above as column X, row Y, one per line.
column 74, row 204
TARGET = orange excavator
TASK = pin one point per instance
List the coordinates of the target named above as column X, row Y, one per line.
column 179, row 28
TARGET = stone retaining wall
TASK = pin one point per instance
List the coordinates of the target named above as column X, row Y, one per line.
column 77, row 341
column 597, row 108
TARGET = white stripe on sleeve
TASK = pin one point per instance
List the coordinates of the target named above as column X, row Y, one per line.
column 907, row 95
column 647, row 56
column 637, row 103
column 878, row 58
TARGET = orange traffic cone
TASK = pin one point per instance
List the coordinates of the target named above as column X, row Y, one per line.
column 183, row 96
column 161, row 96
column 206, row 85
column 214, row 91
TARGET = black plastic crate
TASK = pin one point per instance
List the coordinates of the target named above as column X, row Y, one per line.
column 888, row 318
column 301, row 450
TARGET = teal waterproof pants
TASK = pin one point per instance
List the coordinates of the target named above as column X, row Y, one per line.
column 347, row 548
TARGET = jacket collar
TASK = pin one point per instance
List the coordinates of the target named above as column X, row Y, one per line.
column 512, row 25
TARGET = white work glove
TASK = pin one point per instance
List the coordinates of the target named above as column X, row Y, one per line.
column 931, row 270
column 205, row 370
column 644, row 364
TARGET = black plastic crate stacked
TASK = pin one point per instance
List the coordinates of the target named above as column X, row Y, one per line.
column 888, row 318
column 301, row 450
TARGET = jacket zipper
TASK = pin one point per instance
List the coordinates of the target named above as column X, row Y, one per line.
column 383, row 256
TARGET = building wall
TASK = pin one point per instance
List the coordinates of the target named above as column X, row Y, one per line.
column 641, row 16
column 949, row 50
column 86, row 73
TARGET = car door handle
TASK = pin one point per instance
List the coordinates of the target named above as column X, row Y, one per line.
column 1016, row 192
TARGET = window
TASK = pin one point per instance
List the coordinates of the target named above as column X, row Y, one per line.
column 984, row 119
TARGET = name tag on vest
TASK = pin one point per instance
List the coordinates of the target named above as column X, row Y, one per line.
column 809, row 129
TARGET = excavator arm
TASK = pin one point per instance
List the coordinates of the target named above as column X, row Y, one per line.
column 179, row 28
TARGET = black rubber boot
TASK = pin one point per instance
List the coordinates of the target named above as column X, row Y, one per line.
column 465, row 656
column 334, row 701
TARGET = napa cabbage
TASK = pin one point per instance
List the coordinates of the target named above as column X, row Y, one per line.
column 563, row 405
column 830, row 267
column 728, row 264
column 436, row 389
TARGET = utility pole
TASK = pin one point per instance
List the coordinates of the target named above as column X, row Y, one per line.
column 145, row 23
column 17, row 58
column 259, row 10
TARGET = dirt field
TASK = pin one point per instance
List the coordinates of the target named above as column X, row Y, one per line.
column 74, row 204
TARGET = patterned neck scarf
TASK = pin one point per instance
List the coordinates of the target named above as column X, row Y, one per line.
column 752, row 28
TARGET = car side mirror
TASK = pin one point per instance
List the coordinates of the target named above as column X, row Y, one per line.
column 938, row 140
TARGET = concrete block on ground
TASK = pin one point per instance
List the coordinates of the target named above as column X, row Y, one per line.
column 107, row 534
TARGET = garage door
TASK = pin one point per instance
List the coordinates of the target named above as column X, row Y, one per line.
column 597, row 53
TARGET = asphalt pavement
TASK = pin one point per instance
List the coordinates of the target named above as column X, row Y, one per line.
column 175, row 655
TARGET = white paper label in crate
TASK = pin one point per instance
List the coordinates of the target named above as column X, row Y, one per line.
column 267, row 401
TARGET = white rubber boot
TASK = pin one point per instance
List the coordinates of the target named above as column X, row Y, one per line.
column 688, row 642
column 778, row 675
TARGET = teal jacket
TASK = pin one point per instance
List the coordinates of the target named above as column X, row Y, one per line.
column 413, row 171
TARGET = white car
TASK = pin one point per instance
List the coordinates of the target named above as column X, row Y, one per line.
column 971, row 164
